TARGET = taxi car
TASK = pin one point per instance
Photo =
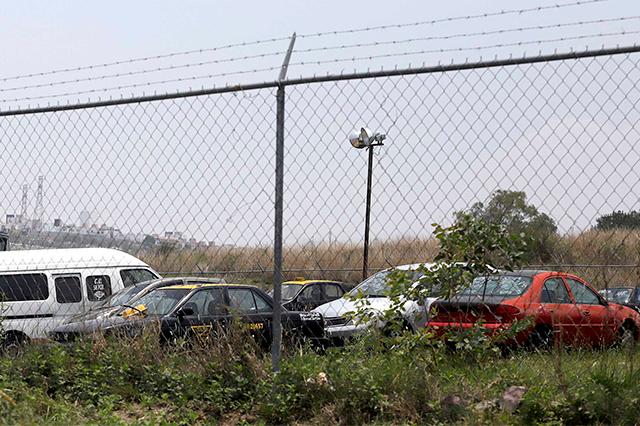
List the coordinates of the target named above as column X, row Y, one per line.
column 305, row 295
column 561, row 307
column 197, row 311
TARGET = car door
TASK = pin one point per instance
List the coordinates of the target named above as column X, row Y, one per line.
column 597, row 323
column 557, row 309
column 206, row 315
column 253, row 310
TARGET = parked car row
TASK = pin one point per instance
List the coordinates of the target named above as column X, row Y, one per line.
column 559, row 307
column 193, row 308
column 68, row 293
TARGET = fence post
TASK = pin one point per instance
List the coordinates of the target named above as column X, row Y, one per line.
column 276, row 344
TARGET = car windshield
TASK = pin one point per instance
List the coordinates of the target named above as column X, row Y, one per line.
column 618, row 295
column 162, row 301
column 498, row 285
column 123, row 296
column 377, row 284
column 289, row 291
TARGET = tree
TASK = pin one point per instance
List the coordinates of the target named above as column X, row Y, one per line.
column 510, row 209
column 619, row 220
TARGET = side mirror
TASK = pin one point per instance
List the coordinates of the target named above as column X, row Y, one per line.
column 184, row 312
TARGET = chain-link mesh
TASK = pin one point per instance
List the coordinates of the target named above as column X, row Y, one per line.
column 186, row 185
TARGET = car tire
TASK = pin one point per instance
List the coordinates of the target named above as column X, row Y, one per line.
column 401, row 327
column 541, row 338
column 627, row 335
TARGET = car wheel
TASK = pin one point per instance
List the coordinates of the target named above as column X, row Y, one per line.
column 396, row 329
column 627, row 335
column 541, row 338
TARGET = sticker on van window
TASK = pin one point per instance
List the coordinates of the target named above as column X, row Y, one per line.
column 98, row 287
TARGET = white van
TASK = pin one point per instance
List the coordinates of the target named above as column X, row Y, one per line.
column 40, row 288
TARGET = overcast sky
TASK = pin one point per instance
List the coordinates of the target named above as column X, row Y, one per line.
column 170, row 166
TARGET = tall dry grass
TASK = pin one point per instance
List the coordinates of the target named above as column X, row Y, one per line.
column 604, row 258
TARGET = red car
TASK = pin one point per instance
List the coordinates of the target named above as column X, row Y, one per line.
column 560, row 305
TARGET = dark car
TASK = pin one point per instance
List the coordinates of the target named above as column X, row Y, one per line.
column 130, row 294
column 305, row 295
column 198, row 310
column 628, row 296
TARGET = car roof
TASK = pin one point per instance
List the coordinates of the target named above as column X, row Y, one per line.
column 201, row 285
column 33, row 260
column 304, row 282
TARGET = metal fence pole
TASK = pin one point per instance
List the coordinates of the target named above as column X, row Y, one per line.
column 276, row 344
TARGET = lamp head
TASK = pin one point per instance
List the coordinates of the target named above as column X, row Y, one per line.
column 361, row 139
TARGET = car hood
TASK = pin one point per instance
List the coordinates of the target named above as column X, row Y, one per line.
column 100, row 323
column 341, row 307
column 93, row 314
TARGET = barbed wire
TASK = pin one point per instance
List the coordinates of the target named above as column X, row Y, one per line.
column 452, row 19
column 137, row 85
column 462, row 49
column 465, row 35
column 328, row 61
column 314, row 49
column 143, row 59
column 140, row 72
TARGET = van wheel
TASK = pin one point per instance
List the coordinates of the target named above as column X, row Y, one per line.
column 13, row 345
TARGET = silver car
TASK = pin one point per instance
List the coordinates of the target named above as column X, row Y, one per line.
column 340, row 322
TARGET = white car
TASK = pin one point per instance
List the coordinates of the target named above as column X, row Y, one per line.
column 338, row 321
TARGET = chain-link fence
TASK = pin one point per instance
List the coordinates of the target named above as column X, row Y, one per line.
column 186, row 183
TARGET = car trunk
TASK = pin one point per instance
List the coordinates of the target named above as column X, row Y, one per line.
column 472, row 309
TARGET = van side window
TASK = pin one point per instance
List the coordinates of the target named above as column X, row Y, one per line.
column 134, row 276
column 68, row 289
column 98, row 287
column 23, row 287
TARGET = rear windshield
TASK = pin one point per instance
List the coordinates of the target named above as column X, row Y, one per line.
column 498, row 285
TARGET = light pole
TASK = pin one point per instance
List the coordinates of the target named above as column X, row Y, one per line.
column 367, row 139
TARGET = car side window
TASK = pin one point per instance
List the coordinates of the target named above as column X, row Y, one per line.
column 554, row 291
column 582, row 294
column 312, row 293
column 333, row 291
column 261, row 304
column 207, row 302
column 241, row 300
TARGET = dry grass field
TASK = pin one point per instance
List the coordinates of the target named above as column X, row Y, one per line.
column 604, row 258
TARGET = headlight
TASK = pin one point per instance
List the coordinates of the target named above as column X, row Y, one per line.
column 310, row 316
